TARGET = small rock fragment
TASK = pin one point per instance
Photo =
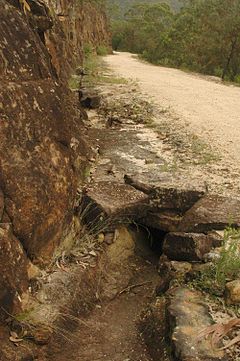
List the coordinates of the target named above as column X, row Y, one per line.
column 42, row 336
column 101, row 238
column 232, row 292
column 33, row 271
column 109, row 238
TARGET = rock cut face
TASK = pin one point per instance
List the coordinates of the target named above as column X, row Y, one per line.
column 14, row 280
column 76, row 23
column 38, row 176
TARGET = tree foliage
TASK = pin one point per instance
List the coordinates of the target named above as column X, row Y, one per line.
column 124, row 5
column 204, row 35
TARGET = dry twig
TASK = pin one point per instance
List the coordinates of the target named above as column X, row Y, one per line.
column 131, row 287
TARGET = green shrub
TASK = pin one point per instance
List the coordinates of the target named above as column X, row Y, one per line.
column 228, row 265
column 102, row 50
column 88, row 49
column 237, row 79
column 197, row 37
column 226, row 268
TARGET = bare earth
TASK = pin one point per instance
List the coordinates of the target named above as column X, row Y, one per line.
column 198, row 104
column 111, row 332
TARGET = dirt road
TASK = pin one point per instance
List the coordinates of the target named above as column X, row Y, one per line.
column 208, row 108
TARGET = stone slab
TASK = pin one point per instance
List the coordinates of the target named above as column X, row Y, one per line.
column 187, row 246
column 211, row 213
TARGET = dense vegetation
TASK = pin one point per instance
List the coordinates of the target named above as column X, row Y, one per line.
column 204, row 35
column 122, row 6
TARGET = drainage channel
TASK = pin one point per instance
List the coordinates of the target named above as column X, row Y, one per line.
column 112, row 331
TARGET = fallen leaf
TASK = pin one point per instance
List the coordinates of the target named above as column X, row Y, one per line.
column 218, row 331
column 231, row 343
column 13, row 334
column 25, row 5
column 93, row 253
column 15, row 340
column 101, row 238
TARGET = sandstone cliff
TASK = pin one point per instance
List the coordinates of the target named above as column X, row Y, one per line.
column 42, row 148
column 75, row 23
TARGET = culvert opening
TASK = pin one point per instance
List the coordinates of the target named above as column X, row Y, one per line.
column 149, row 242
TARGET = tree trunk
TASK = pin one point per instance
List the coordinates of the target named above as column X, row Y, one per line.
column 233, row 46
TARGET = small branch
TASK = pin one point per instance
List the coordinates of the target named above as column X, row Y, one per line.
column 131, row 287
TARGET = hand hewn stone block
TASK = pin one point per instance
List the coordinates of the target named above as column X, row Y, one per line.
column 187, row 246
column 211, row 213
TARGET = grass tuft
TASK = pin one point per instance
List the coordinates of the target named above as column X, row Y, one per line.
column 225, row 268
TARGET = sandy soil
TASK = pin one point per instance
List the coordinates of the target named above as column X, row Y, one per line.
column 200, row 104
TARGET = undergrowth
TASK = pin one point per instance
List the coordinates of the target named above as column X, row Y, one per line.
column 225, row 268
column 96, row 70
column 102, row 50
column 228, row 265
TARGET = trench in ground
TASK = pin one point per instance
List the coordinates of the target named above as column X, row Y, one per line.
column 111, row 332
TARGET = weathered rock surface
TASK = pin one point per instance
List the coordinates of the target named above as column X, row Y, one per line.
column 175, row 199
column 116, row 201
column 14, row 278
column 171, row 271
column 37, row 163
column 42, row 148
column 163, row 197
column 232, row 292
column 172, row 324
column 123, row 246
column 167, row 221
column 211, row 213
column 1, row 204
column 166, row 275
column 76, row 23
column 37, row 176
column 188, row 316
column 187, row 246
